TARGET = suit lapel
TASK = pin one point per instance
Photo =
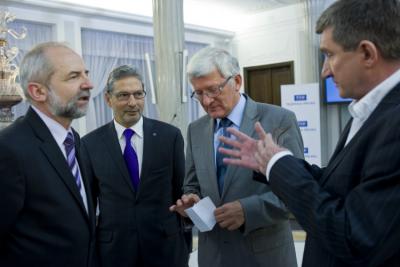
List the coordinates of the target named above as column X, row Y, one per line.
column 149, row 148
column 54, row 155
column 247, row 127
column 110, row 139
column 203, row 137
column 90, row 212
column 339, row 153
column 342, row 140
column 392, row 98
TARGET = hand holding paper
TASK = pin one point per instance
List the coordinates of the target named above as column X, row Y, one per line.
column 185, row 202
column 202, row 214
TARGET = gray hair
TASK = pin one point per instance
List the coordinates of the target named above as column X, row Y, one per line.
column 37, row 67
column 210, row 59
column 355, row 20
column 120, row 73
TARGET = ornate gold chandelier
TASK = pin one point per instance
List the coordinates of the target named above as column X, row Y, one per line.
column 9, row 89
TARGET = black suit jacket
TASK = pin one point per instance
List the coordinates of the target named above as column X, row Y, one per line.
column 43, row 219
column 350, row 210
column 137, row 228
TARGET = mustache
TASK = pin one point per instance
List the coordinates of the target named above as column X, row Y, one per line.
column 80, row 94
column 134, row 110
column 83, row 94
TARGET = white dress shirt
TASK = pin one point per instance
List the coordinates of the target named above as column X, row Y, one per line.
column 136, row 141
column 360, row 110
column 59, row 134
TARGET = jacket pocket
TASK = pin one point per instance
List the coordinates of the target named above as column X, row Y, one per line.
column 104, row 236
column 269, row 238
column 170, row 227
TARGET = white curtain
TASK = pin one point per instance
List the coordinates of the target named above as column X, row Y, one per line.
column 193, row 105
column 103, row 51
column 36, row 33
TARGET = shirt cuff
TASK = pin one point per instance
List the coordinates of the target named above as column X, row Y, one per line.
column 274, row 159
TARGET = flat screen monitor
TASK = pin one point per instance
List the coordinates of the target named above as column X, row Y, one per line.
column 332, row 93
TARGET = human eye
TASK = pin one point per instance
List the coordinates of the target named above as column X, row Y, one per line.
column 122, row 95
column 327, row 55
column 213, row 91
column 138, row 94
column 72, row 76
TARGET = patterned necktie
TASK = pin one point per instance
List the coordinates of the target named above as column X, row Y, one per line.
column 131, row 158
column 69, row 145
column 221, row 167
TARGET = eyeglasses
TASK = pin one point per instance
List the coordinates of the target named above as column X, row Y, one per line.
column 212, row 92
column 125, row 96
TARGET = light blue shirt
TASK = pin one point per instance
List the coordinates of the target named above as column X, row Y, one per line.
column 235, row 117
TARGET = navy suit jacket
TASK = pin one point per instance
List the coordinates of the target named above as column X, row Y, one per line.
column 136, row 228
column 43, row 219
column 350, row 210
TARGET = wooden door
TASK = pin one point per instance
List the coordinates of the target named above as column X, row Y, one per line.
column 263, row 83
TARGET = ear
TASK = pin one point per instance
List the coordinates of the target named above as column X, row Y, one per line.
column 37, row 92
column 238, row 82
column 107, row 98
column 370, row 53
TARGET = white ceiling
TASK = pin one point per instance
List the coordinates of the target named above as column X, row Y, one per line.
column 241, row 7
column 247, row 6
column 219, row 14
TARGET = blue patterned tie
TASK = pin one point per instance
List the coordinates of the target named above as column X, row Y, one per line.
column 131, row 158
column 221, row 167
column 69, row 145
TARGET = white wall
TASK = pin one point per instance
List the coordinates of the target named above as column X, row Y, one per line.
column 280, row 35
column 274, row 36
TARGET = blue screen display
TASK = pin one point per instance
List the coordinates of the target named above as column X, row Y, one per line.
column 332, row 93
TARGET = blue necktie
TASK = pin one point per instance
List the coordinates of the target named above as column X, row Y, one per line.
column 131, row 158
column 221, row 167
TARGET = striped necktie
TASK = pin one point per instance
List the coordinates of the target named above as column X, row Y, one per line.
column 69, row 144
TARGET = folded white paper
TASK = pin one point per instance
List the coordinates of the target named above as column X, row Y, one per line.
column 202, row 214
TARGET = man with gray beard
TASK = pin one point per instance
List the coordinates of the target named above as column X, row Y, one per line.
column 45, row 201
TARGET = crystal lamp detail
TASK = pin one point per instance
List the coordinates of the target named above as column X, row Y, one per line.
column 10, row 90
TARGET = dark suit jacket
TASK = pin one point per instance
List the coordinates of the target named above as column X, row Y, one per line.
column 138, row 226
column 43, row 219
column 350, row 210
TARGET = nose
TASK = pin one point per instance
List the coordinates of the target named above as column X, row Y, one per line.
column 131, row 100
column 326, row 69
column 206, row 100
column 87, row 84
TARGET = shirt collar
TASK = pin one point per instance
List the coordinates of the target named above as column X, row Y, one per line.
column 236, row 114
column 362, row 108
column 58, row 131
column 137, row 128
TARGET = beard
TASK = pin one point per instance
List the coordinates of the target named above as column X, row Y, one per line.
column 70, row 110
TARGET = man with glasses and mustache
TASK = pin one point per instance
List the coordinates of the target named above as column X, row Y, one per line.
column 137, row 167
column 252, row 223
column 47, row 216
